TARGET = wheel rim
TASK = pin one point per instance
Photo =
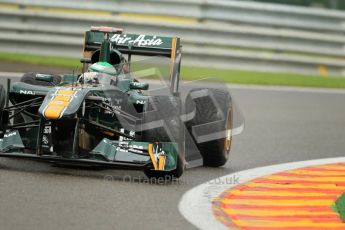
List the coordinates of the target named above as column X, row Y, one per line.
column 227, row 139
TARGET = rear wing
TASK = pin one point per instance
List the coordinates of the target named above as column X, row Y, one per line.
column 132, row 43
column 136, row 44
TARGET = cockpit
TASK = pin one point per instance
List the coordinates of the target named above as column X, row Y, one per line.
column 96, row 78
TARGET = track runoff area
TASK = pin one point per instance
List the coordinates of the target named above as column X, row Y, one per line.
column 300, row 195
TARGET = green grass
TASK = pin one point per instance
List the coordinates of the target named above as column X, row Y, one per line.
column 339, row 206
column 194, row 73
column 262, row 78
column 40, row 60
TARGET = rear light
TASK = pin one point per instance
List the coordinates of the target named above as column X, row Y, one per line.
column 106, row 29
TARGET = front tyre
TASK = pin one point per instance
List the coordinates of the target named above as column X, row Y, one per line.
column 215, row 105
column 30, row 78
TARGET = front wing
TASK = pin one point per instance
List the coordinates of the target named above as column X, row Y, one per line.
column 108, row 154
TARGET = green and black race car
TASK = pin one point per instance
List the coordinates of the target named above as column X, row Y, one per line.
column 106, row 117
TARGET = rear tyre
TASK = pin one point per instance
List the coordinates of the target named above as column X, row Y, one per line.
column 215, row 153
column 167, row 109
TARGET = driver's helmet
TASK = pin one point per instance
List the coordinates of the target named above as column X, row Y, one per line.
column 100, row 72
column 103, row 67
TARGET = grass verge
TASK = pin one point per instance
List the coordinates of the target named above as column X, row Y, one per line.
column 41, row 60
column 194, row 73
column 340, row 206
column 263, row 78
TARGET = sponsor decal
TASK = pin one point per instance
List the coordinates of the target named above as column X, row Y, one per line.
column 115, row 103
column 117, row 107
column 122, row 138
column 135, row 151
column 109, row 110
column 129, row 150
column 125, row 147
column 47, row 130
column 141, row 102
column 136, row 146
column 9, row 135
column 141, row 40
column 28, row 92
column 45, row 140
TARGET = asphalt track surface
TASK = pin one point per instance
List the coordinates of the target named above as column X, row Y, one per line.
column 281, row 126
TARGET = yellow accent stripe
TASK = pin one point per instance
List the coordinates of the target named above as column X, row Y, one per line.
column 316, row 179
column 172, row 56
column 326, row 202
column 274, row 193
column 275, row 212
column 161, row 162
column 331, row 167
column 308, row 172
column 62, row 98
column 65, row 92
column 150, row 148
column 58, row 104
column 324, row 186
column 293, row 224
column 173, row 51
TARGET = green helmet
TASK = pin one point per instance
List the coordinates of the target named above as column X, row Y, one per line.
column 103, row 67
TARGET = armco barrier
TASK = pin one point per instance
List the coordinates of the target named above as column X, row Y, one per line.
column 263, row 37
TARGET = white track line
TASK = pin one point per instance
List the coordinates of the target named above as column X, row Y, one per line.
column 196, row 205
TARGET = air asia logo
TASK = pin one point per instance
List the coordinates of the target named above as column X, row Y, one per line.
column 141, row 40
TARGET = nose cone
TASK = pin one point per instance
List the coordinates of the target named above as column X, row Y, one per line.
column 58, row 103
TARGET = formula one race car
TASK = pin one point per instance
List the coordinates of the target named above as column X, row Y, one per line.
column 105, row 117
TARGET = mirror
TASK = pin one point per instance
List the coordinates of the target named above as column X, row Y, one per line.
column 44, row 77
column 138, row 85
